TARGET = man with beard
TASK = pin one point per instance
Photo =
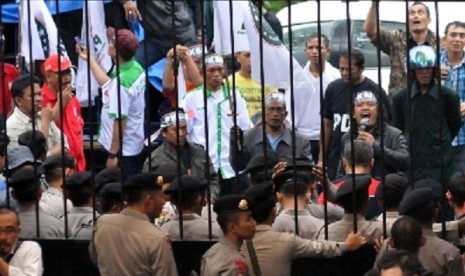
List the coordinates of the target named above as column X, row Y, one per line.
column 17, row 257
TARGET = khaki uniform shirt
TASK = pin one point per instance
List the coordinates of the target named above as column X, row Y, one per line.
column 80, row 221
column 194, row 228
column 308, row 225
column 338, row 231
column 395, row 45
column 391, row 217
column 436, row 255
column 128, row 244
column 52, row 200
column 49, row 226
column 276, row 251
column 224, row 258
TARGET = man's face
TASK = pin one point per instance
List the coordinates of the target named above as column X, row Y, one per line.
column 243, row 58
column 245, row 225
column 31, row 97
column 418, row 18
column 311, row 51
column 366, row 108
column 54, row 79
column 215, row 76
column 275, row 114
column 354, row 76
column 170, row 135
column 9, row 232
column 455, row 39
column 424, row 76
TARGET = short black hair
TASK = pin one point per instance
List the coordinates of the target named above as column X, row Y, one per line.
column 456, row 187
column 107, row 204
column 454, row 23
column 406, row 261
column 79, row 195
column 187, row 199
column 21, row 83
column 224, row 218
column 363, row 153
column 355, row 55
column 35, row 141
column 406, row 233
column 261, row 210
column 291, row 188
column 324, row 39
column 354, row 207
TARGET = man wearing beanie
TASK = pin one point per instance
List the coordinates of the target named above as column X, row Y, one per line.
column 123, row 102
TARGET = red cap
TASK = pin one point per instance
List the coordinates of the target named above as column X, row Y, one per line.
column 51, row 63
column 127, row 42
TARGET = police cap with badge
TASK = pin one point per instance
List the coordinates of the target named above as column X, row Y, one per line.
column 232, row 204
column 416, row 200
column 142, row 182
column 186, row 183
column 79, row 180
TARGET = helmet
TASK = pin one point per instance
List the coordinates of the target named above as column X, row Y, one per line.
column 422, row 57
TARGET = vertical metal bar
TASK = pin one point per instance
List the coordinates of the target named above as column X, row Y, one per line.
column 118, row 91
column 409, row 98
column 207, row 154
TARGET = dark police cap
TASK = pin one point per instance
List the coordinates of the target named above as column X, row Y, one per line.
column 259, row 163
column 110, row 191
column 107, row 175
column 24, row 177
column 79, row 180
column 57, row 161
column 186, row 183
column 143, row 182
column 395, row 186
column 260, row 192
column 288, row 177
column 168, row 171
column 428, row 183
column 416, row 199
column 362, row 182
column 232, row 203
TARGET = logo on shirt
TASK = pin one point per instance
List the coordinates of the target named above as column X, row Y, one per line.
column 241, row 267
column 343, row 121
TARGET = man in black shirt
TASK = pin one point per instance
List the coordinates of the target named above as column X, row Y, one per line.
column 337, row 105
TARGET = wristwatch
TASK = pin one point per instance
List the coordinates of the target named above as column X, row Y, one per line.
column 112, row 155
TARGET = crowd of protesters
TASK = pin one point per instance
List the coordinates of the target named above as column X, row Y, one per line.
column 381, row 165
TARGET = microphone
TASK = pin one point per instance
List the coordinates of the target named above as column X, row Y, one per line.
column 363, row 125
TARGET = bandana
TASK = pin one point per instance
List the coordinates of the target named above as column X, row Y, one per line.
column 214, row 60
column 365, row 96
column 169, row 119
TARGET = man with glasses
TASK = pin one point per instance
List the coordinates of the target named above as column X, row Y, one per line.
column 278, row 136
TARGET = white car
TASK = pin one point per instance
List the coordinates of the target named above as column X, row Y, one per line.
column 334, row 24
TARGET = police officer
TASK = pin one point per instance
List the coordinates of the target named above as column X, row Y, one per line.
column 236, row 221
column 337, row 231
column 110, row 199
column 78, row 187
column 436, row 255
column 129, row 243
column 187, row 193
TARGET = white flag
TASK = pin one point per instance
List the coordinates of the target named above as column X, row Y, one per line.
column 276, row 60
column 43, row 35
column 98, row 43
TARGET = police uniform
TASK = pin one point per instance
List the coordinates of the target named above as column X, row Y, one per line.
column 308, row 225
column 80, row 218
column 225, row 258
column 128, row 243
column 436, row 255
column 276, row 251
column 339, row 230
column 26, row 181
column 109, row 193
column 194, row 226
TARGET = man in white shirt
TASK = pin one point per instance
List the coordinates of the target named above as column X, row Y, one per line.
column 17, row 257
column 319, row 73
column 28, row 104
column 224, row 110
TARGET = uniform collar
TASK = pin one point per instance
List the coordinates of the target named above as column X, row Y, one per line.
column 430, row 40
column 433, row 90
column 135, row 214
column 286, row 136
